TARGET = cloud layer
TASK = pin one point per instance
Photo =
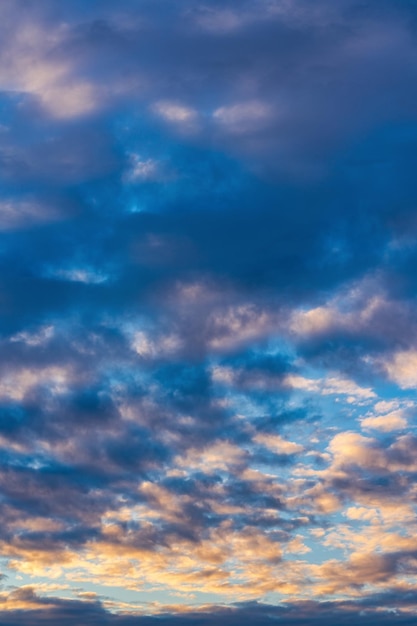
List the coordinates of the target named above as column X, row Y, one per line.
column 208, row 324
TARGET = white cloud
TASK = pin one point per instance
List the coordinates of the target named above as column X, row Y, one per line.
column 244, row 116
column 362, row 513
column 142, row 169
column 16, row 385
column 180, row 115
column 350, row 448
column 235, row 325
column 402, row 369
column 277, row 444
column 314, row 321
column 68, row 99
column 386, row 406
column 36, row 338
column 31, row 67
column 386, row 423
column 221, row 455
column 148, row 347
column 332, row 385
column 350, row 311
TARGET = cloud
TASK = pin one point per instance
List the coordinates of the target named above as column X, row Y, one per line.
column 402, row 367
column 32, row 69
column 243, row 117
column 395, row 420
column 23, row 214
column 329, row 386
column 180, row 115
column 207, row 312
column 93, row 613
column 277, row 444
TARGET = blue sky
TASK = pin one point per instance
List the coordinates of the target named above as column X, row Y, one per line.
column 208, row 322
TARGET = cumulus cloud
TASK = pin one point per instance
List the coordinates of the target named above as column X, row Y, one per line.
column 278, row 444
column 401, row 368
column 396, row 420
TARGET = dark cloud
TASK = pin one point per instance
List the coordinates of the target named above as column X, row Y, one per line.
column 73, row 612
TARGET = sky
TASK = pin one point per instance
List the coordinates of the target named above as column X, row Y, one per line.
column 208, row 315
